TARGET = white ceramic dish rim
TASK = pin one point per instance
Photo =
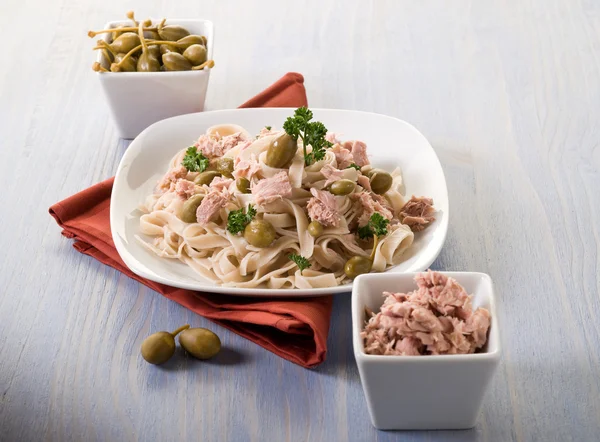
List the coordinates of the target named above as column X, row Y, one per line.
column 209, row 49
column 132, row 263
column 358, row 344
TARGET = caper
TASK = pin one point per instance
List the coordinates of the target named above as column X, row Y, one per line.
column 281, row 151
column 154, row 50
column 224, row 166
column 206, row 177
column 196, row 54
column 243, row 185
column 380, row 180
column 315, row 228
column 201, row 343
column 164, row 48
column 259, row 233
column 189, row 40
column 188, row 211
column 146, row 62
column 172, row 32
column 357, row 265
column 174, row 61
column 159, row 347
column 342, row 187
column 122, row 64
column 125, row 42
column 151, row 35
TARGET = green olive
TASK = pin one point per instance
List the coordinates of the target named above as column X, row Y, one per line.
column 206, row 177
column 224, row 166
column 201, row 343
column 196, row 54
column 172, row 32
column 189, row 40
column 357, row 265
column 281, row 151
column 190, row 207
column 125, row 42
column 381, row 181
column 129, row 65
column 243, row 185
column 164, row 48
column 174, row 61
column 147, row 63
column 159, row 347
column 259, row 233
column 342, row 187
column 315, row 228
column 154, row 50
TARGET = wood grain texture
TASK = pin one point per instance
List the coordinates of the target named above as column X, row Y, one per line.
column 507, row 92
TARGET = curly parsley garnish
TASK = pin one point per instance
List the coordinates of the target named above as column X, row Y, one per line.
column 377, row 226
column 353, row 165
column 194, row 160
column 268, row 127
column 237, row 220
column 310, row 132
column 300, row 261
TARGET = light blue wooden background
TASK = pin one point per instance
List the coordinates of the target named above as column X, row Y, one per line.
column 507, row 92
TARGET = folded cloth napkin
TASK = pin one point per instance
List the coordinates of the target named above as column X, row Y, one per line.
column 295, row 329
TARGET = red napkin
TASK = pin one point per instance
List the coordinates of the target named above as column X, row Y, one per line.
column 295, row 329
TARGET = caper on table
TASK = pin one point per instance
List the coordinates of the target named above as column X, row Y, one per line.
column 160, row 347
column 259, row 233
column 243, row 185
column 315, row 229
column 201, row 343
column 342, row 187
column 190, row 207
column 380, row 180
column 357, row 265
column 224, row 166
column 281, row 151
column 206, row 177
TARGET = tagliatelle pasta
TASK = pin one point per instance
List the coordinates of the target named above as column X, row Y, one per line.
column 241, row 228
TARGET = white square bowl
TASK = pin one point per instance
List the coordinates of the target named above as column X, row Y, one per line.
column 423, row 392
column 139, row 99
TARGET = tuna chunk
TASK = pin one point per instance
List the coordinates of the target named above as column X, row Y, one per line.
column 425, row 321
column 184, row 189
column 219, row 183
column 342, row 156
column 210, row 206
column 171, row 177
column 369, row 204
column 331, row 174
column 417, row 213
column 271, row 189
column 359, row 152
column 322, row 207
column 332, row 138
column 215, row 146
column 246, row 168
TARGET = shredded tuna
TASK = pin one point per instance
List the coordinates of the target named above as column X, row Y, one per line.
column 246, row 168
column 343, row 156
column 359, row 152
column 216, row 146
column 184, row 189
column 369, row 204
column 210, row 206
column 426, row 321
column 171, row 177
column 271, row 189
column 332, row 138
column 364, row 182
column 331, row 174
column 417, row 213
column 323, row 208
column 219, row 183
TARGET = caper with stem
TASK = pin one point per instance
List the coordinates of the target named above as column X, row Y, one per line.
column 190, row 207
column 201, row 343
column 342, row 187
column 281, row 151
column 172, row 32
column 190, row 40
column 196, row 54
column 243, row 184
column 259, row 233
column 146, row 62
column 125, row 42
column 123, row 63
column 174, row 61
column 315, row 229
column 160, row 347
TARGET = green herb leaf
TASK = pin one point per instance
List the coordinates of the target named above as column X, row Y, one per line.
column 237, row 220
column 311, row 133
column 353, row 165
column 300, row 261
column 194, row 160
column 268, row 127
column 377, row 226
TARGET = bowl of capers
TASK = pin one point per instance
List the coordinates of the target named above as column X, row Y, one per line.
column 153, row 69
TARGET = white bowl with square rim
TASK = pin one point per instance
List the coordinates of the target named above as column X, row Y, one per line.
column 423, row 392
column 139, row 99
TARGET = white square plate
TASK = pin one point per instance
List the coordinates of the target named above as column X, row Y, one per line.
column 390, row 143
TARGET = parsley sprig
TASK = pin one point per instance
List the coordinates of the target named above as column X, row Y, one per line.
column 300, row 261
column 375, row 228
column 237, row 220
column 194, row 160
column 310, row 132
column 353, row 165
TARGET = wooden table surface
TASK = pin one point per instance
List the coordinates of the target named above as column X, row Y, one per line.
column 508, row 95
